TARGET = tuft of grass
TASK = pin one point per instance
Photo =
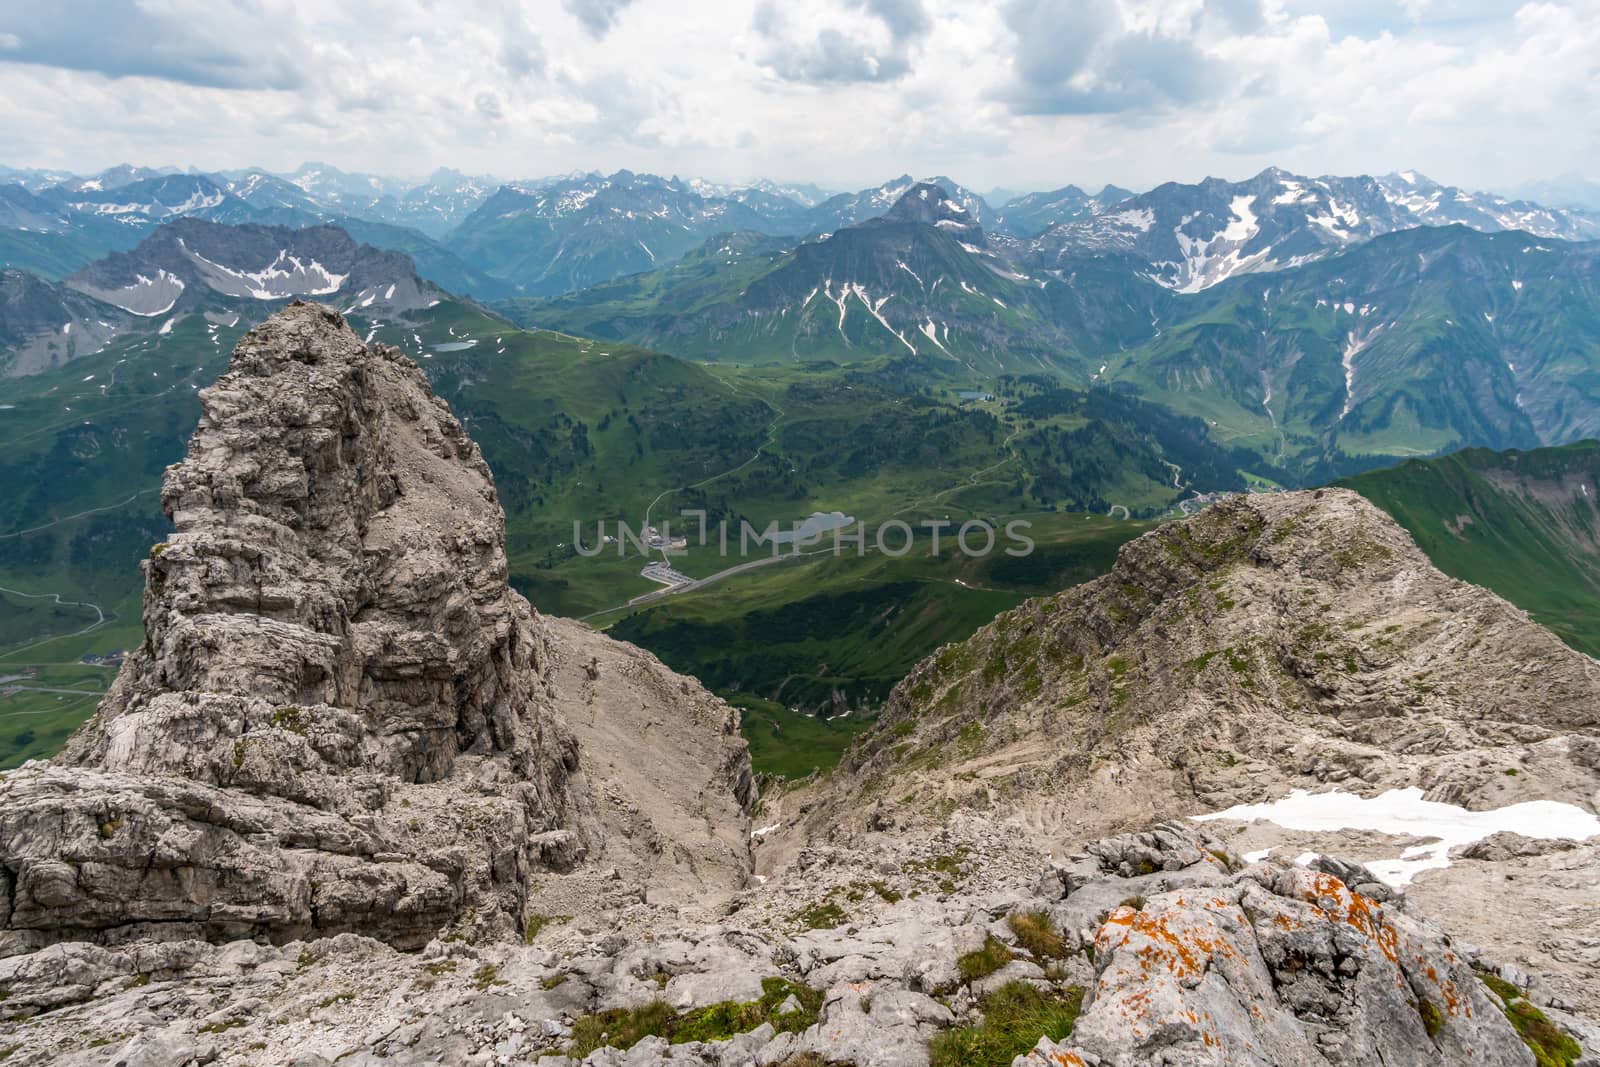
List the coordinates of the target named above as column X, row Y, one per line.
column 552, row 981
column 1015, row 1016
column 625, row 1027
column 1432, row 1017
column 486, row 976
column 1500, row 987
column 982, row 962
column 619, row 1028
column 946, row 868
column 229, row 1024
column 1036, row 931
column 824, row 916
column 537, row 923
column 1137, row 903
column 884, row 890
column 1550, row 1046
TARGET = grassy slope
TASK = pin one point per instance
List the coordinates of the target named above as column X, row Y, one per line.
column 809, row 632
column 1524, row 524
column 49, row 255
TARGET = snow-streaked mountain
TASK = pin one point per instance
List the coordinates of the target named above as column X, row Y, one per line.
column 190, row 266
column 44, row 324
column 1432, row 204
column 847, row 209
column 916, row 280
column 557, row 235
column 146, row 201
column 1032, row 213
column 193, row 263
column 1423, row 340
column 1190, row 237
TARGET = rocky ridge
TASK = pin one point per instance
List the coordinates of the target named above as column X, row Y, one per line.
column 1272, row 641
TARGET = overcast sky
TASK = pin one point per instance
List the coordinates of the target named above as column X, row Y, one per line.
column 846, row 93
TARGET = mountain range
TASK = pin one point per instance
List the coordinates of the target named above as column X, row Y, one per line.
column 491, row 239
column 1412, row 341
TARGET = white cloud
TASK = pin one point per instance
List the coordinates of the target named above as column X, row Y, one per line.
column 1019, row 93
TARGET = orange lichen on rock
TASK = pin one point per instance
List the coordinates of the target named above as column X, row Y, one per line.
column 1346, row 905
column 1062, row 1058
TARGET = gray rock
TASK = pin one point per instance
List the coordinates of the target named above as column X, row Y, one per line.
column 342, row 717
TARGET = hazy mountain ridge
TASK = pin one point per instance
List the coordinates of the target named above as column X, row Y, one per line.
column 1190, row 237
column 558, row 234
column 190, row 265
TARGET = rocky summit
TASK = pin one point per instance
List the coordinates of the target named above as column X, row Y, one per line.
column 355, row 802
column 342, row 718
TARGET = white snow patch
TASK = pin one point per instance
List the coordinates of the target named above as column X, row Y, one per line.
column 285, row 276
column 765, row 830
column 162, row 282
column 1243, row 225
column 1403, row 813
column 1353, row 345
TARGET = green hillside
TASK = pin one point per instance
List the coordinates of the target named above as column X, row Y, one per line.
column 838, row 631
column 1524, row 524
column 585, row 430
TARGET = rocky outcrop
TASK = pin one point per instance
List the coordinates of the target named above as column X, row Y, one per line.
column 342, row 718
column 1272, row 641
column 884, row 956
column 1274, row 965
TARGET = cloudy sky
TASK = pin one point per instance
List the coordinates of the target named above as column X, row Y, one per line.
column 1016, row 94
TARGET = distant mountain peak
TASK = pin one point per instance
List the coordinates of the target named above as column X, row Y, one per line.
column 930, row 205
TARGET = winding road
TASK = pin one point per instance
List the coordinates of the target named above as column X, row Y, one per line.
column 100, row 618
